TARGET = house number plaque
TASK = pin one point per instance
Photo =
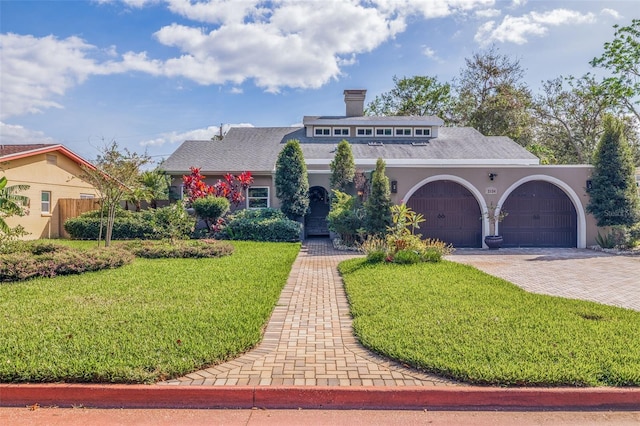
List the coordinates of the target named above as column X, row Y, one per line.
column 491, row 190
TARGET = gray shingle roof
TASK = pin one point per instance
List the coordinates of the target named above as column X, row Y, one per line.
column 256, row 149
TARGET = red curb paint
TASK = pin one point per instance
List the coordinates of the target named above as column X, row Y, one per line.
column 273, row 397
column 449, row 398
column 126, row 396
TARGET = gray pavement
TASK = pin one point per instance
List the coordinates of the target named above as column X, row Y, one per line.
column 572, row 273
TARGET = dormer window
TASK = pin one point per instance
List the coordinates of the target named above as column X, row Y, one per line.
column 384, row 131
column 364, row 131
column 422, row 131
column 340, row 131
column 402, row 131
column 322, row 131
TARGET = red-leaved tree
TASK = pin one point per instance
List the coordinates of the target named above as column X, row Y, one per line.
column 232, row 187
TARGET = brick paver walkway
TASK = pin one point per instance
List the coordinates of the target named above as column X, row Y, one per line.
column 309, row 339
column 572, row 273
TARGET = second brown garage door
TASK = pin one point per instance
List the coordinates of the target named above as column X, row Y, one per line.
column 452, row 213
column 539, row 215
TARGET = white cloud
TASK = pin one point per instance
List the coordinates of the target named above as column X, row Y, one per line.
column 612, row 12
column 429, row 52
column 15, row 134
column 284, row 43
column 36, row 70
column 196, row 134
column 517, row 29
column 488, row 13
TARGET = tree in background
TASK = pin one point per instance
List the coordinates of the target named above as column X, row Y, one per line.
column 569, row 114
column 621, row 56
column 343, row 168
column 292, row 182
column 417, row 95
column 614, row 199
column 378, row 205
column 492, row 98
column 11, row 204
column 114, row 176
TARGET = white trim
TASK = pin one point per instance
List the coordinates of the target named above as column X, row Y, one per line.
column 466, row 184
column 383, row 135
column 48, row 202
column 575, row 199
column 430, row 162
column 315, row 129
column 268, row 197
column 364, row 129
column 402, row 130
column 341, row 129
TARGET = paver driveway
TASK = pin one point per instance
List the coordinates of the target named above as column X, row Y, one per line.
column 572, row 273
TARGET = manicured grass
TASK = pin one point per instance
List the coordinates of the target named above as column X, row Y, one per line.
column 151, row 320
column 456, row 321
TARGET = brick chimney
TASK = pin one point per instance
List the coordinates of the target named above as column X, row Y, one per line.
column 354, row 99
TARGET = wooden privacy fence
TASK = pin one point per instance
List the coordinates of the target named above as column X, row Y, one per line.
column 71, row 207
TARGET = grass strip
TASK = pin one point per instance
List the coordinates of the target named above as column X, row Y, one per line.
column 151, row 320
column 456, row 321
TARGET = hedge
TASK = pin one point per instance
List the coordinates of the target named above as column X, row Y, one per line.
column 261, row 225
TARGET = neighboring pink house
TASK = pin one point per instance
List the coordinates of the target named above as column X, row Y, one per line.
column 52, row 172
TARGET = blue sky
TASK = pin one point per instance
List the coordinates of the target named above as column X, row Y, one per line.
column 152, row 73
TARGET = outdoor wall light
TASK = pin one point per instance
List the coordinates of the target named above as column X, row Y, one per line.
column 492, row 176
column 394, row 186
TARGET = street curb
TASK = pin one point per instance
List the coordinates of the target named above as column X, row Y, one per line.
column 318, row 397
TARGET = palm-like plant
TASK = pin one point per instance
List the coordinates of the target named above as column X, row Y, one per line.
column 11, row 203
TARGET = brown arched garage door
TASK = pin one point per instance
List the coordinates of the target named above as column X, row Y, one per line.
column 539, row 215
column 452, row 213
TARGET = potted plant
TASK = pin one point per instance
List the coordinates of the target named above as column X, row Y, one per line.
column 492, row 240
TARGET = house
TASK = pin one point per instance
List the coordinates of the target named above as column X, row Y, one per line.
column 449, row 174
column 52, row 172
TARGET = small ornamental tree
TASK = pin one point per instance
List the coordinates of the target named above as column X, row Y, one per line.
column 378, row 205
column 11, row 203
column 210, row 209
column 343, row 168
column 613, row 195
column 292, row 182
column 115, row 175
column 231, row 188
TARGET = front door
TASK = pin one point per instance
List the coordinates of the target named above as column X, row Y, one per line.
column 316, row 220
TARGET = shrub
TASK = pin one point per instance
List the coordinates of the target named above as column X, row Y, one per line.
column 179, row 249
column 210, row 208
column 401, row 245
column 345, row 217
column 376, row 256
column 378, row 205
column 36, row 259
column 171, row 222
column 261, row 225
column 167, row 222
column 407, row 257
column 292, row 181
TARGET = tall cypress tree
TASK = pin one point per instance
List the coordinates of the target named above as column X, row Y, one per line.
column 614, row 195
column 378, row 205
column 343, row 168
column 292, row 182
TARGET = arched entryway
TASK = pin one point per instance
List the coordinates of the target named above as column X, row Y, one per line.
column 451, row 211
column 540, row 214
column 316, row 220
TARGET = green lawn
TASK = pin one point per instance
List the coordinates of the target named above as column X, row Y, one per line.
column 456, row 321
column 147, row 321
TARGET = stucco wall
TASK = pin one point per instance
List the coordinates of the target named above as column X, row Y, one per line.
column 62, row 180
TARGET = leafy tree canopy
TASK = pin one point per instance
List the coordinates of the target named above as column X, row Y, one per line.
column 418, row 95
